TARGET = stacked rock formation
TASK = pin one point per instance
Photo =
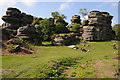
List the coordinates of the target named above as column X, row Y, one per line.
column 12, row 23
column 25, row 19
column 28, row 33
column 76, row 19
column 17, row 24
column 98, row 26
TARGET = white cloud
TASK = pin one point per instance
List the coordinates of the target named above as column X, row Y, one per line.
column 28, row 2
column 7, row 3
column 63, row 6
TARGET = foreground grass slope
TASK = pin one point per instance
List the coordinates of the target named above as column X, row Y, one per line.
column 97, row 63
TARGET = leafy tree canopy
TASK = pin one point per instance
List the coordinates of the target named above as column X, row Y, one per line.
column 46, row 28
column 57, row 15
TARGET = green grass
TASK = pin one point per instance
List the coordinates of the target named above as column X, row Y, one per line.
column 30, row 66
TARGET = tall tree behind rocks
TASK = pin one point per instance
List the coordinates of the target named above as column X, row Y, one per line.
column 46, row 29
column 60, row 24
column 83, row 12
column 57, row 15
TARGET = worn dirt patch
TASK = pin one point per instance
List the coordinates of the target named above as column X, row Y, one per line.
column 6, row 52
column 6, row 71
column 118, row 58
column 104, row 68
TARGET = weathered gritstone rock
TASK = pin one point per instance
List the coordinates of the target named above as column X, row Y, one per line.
column 99, row 26
column 85, row 23
column 13, row 20
column 28, row 33
column 26, row 19
column 76, row 19
column 64, row 39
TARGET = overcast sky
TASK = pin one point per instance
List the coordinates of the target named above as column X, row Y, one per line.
column 68, row 8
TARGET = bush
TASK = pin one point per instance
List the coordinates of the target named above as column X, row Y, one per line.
column 21, row 43
column 60, row 28
column 67, row 61
column 18, row 42
column 74, row 28
column 72, row 75
column 10, row 48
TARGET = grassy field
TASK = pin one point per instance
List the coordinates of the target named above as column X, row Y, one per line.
column 61, row 61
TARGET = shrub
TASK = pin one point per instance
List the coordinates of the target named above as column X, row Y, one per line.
column 72, row 75
column 67, row 61
column 74, row 28
column 10, row 48
column 60, row 28
column 18, row 42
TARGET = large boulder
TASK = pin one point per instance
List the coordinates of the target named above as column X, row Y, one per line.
column 28, row 33
column 64, row 39
column 12, row 18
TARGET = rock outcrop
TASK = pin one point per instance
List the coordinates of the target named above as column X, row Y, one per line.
column 64, row 39
column 98, row 26
column 17, row 25
column 12, row 23
column 25, row 19
column 28, row 33
column 76, row 19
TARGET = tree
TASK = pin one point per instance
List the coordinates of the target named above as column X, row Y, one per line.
column 83, row 12
column 46, row 29
column 59, row 22
column 36, row 20
column 55, row 14
column 60, row 28
column 58, row 16
column 116, row 28
column 74, row 28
